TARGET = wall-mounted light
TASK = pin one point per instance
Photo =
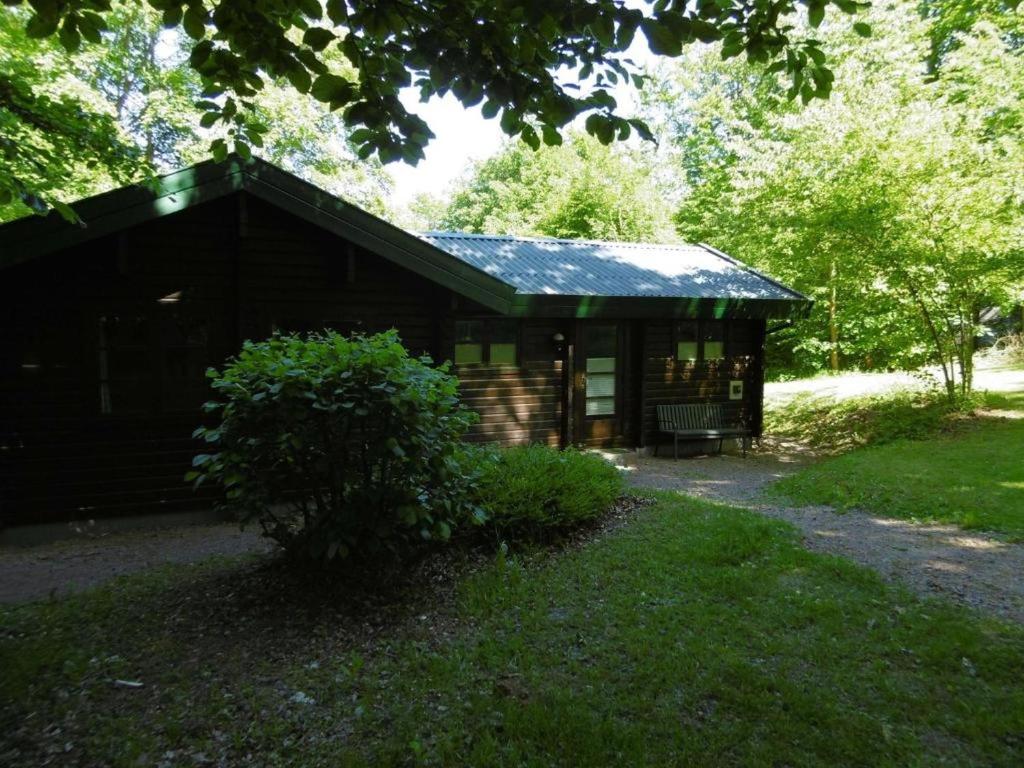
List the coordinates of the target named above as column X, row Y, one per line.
column 559, row 341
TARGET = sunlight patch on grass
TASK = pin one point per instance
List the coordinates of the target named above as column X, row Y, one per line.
column 974, row 479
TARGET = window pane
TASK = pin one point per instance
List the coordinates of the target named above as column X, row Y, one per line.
column 686, row 350
column 503, row 331
column 602, row 341
column 469, row 353
column 503, row 354
column 502, row 336
column 600, row 364
column 714, row 340
column 601, row 406
column 686, row 340
column 600, row 385
column 468, row 331
column 469, row 348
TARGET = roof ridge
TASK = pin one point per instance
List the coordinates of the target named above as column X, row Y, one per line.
column 545, row 239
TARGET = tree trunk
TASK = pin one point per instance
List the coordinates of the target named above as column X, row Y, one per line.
column 833, row 327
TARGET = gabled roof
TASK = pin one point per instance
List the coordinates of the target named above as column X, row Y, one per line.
column 517, row 275
column 34, row 236
column 551, row 266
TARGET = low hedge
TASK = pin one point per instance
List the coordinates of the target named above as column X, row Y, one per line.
column 535, row 492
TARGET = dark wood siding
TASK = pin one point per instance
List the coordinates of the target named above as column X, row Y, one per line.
column 669, row 381
column 242, row 267
column 61, row 457
column 516, row 404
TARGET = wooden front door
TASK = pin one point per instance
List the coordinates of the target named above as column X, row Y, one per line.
column 600, row 369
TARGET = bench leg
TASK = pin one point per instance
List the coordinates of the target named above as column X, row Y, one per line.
column 675, row 447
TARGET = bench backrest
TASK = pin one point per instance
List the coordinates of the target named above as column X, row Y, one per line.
column 695, row 416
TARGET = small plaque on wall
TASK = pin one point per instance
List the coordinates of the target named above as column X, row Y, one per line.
column 736, row 389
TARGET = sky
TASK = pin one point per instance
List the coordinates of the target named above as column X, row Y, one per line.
column 464, row 135
column 461, row 136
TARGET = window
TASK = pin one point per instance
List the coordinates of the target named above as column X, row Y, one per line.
column 602, row 352
column 469, row 344
column 184, row 341
column 686, row 340
column 501, row 338
column 700, row 340
column 494, row 341
column 713, row 336
column 124, row 364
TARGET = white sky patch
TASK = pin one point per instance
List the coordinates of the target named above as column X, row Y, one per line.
column 464, row 135
column 461, row 136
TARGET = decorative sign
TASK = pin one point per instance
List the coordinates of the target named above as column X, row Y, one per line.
column 736, row 389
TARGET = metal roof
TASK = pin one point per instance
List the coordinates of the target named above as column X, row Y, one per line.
column 550, row 266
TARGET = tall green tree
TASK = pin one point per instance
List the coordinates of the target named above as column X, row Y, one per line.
column 141, row 96
column 897, row 204
column 580, row 189
column 510, row 56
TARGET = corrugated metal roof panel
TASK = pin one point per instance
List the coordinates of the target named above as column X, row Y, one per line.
column 590, row 268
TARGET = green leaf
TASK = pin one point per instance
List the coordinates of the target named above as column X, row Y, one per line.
column 209, row 119
column 194, row 22
column 332, row 89
column 300, row 79
column 862, row 28
column 816, row 13
column 318, row 38
column 361, row 135
column 336, row 11
column 660, row 39
column 66, row 212
column 490, row 109
column 90, row 25
column 552, row 137
column 69, row 37
column 172, row 16
column 529, row 135
column 200, row 53
column 41, row 26
column 219, row 149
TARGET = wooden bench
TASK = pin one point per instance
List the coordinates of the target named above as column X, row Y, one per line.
column 701, row 421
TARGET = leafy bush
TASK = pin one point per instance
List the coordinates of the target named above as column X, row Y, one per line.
column 836, row 426
column 532, row 492
column 338, row 446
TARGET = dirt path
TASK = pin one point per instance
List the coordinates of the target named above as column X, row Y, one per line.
column 34, row 573
column 971, row 568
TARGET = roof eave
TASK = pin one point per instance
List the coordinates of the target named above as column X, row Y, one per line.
column 654, row 307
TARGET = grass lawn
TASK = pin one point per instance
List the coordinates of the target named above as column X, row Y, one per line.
column 971, row 475
column 694, row 634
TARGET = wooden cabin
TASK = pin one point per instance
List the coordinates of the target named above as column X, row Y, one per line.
column 108, row 328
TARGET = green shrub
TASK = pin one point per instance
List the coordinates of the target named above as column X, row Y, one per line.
column 338, row 446
column 534, row 492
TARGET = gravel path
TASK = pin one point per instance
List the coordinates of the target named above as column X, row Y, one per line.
column 33, row 573
column 971, row 568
